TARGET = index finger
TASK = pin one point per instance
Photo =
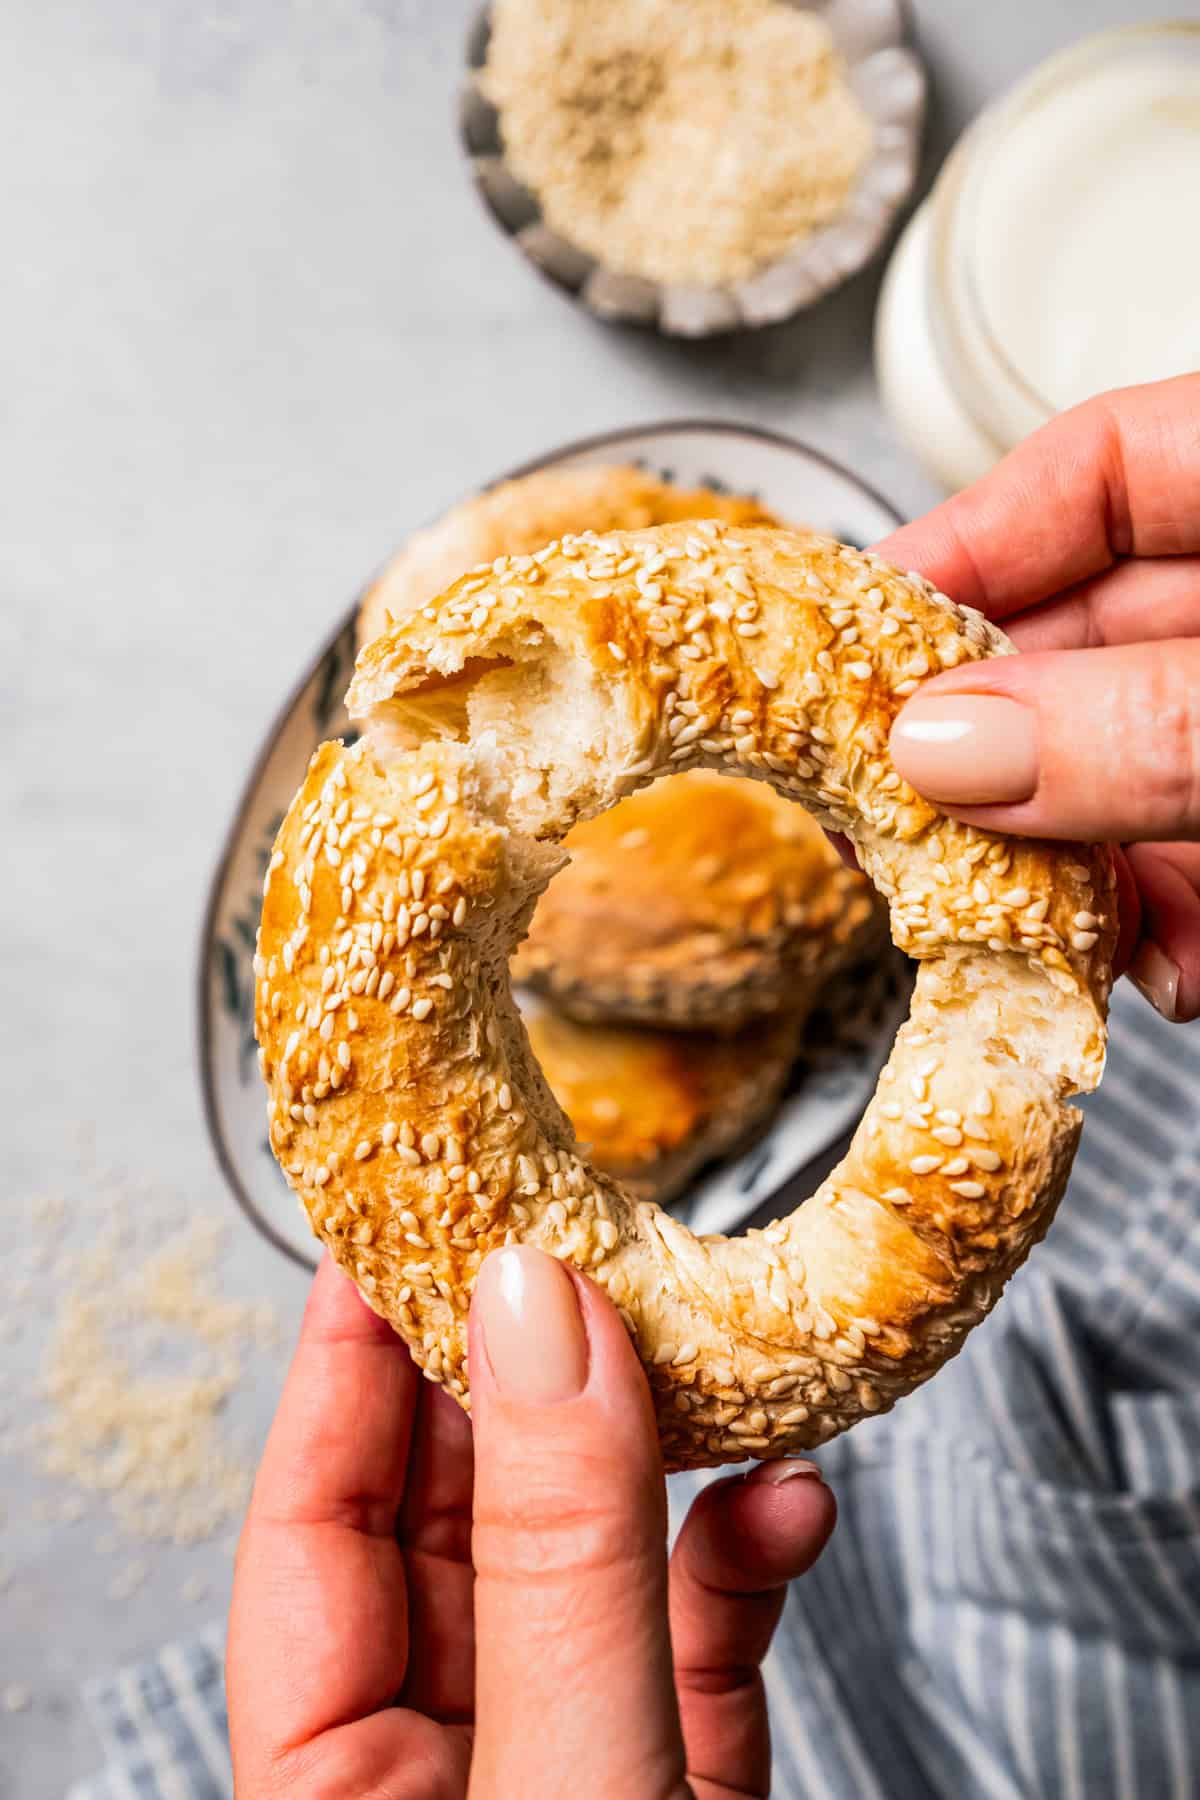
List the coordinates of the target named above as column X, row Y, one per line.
column 318, row 1630
column 1118, row 476
column 338, row 1448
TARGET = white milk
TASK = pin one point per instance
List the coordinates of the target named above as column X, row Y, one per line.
column 1087, row 237
column 1058, row 255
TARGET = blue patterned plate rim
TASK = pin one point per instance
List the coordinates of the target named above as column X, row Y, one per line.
column 577, row 447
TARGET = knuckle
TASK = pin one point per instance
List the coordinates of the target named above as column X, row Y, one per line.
column 720, row 1682
column 546, row 1533
column 1165, row 746
column 328, row 1769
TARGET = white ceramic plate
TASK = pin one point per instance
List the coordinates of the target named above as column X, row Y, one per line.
column 831, row 1088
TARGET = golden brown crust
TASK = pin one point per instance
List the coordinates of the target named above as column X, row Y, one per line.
column 689, row 938
column 655, row 1106
column 522, row 515
column 406, row 1108
column 699, row 902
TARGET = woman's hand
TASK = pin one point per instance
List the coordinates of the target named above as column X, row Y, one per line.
column 413, row 1621
column 1085, row 542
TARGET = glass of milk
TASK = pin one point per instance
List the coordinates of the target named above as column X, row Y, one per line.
column 1057, row 255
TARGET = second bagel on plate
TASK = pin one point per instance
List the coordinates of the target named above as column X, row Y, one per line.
column 656, row 1106
column 702, row 902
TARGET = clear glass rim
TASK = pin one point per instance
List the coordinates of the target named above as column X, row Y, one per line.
column 952, row 244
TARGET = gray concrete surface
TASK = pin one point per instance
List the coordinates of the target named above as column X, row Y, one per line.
column 253, row 325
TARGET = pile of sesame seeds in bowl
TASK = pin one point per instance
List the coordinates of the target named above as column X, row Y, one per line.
column 698, row 166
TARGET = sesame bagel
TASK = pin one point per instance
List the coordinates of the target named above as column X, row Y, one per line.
column 527, row 512
column 699, row 903
column 405, row 1105
column 652, row 1107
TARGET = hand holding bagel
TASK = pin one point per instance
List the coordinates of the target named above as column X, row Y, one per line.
column 354, row 1585
column 425, row 1602
column 1085, row 542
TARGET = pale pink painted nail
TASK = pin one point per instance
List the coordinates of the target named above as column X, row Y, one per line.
column 1157, row 977
column 532, row 1329
column 967, row 749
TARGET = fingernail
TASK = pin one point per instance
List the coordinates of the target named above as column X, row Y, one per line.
column 532, row 1329
column 967, row 749
column 1157, row 977
column 788, row 1468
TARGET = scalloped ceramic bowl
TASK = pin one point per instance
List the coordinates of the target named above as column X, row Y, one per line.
column 848, row 1040
column 888, row 78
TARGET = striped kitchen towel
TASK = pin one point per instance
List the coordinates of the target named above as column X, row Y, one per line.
column 1010, row 1607
column 163, row 1726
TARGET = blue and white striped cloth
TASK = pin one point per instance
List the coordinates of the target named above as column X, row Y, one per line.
column 163, row 1726
column 1010, row 1608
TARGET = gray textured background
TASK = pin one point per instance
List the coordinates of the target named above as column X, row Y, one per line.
column 254, row 324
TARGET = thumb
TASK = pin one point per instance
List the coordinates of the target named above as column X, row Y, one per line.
column 573, row 1663
column 1086, row 744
